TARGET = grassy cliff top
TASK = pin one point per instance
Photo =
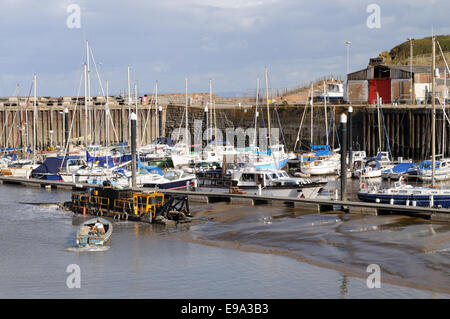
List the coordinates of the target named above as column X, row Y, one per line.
column 421, row 51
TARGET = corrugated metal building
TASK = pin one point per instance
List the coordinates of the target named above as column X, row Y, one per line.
column 392, row 83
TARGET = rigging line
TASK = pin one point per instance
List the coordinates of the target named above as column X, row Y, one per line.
column 385, row 132
column 443, row 56
column 301, row 123
column 148, row 116
column 331, row 123
column 11, row 128
column 179, row 129
column 4, row 126
column 21, row 120
column 281, row 127
column 103, row 94
column 336, row 132
column 299, row 129
column 73, row 118
column 97, row 133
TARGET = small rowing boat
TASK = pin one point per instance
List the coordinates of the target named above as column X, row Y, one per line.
column 86, row 235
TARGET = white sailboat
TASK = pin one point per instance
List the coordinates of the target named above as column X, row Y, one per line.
column 320, row 161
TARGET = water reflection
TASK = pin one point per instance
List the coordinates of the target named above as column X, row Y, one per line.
column 343, row 287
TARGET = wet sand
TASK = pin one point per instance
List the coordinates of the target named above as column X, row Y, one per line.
column 411, row 252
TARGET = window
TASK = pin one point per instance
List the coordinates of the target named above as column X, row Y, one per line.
column 248, row 177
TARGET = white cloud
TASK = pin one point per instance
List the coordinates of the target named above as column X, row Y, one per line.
column 231, row 40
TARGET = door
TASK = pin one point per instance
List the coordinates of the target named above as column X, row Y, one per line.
column 383, row 88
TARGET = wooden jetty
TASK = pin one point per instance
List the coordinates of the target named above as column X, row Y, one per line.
column 320, row 205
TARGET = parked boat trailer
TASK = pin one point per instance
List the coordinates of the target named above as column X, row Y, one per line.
column 124, row 204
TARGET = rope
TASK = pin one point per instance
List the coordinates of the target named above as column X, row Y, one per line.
column 22, row 119
column 385, row 132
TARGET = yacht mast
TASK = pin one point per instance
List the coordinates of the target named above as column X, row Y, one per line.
column 268, row 111
column 187, row 129
column 136, row 106
column 312, row 118
column 107, row 115
column 156, row 114
column 34, row 119
column 379, row 122
column 88, row 89
column 433, row 120
column 129, row 103
column 443, row 113
column 256, row 110
column 210, row 111
column 85, row 108
column 325, row 93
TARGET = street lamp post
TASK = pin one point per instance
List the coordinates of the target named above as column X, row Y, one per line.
column 347, row 43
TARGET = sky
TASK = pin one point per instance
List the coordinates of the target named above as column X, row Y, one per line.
column 229, row 41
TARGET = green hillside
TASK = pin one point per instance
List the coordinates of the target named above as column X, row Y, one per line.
column 421, row 51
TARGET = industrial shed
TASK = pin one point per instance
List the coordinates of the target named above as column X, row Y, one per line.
column 392, row 83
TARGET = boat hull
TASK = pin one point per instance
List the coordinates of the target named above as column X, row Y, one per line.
column 396, row 199
column 179, row 184
column 94, row 240
column 310, row 191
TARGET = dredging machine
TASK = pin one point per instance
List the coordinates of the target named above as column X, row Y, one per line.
column 128, row 204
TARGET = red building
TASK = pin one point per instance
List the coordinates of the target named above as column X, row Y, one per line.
column 393, row 84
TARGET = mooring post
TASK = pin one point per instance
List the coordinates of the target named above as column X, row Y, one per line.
column 133, row 118
column 66, row 128
column 350, row 137
column 343, row 154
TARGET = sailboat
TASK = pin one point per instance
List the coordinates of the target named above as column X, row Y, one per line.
column 320, row 161
column 276, row 156
column 180, row 154
column 375, row 166
column 22, row 167
column 402, row 194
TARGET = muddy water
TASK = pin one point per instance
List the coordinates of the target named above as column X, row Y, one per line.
column 411, row 252
column 229, row 252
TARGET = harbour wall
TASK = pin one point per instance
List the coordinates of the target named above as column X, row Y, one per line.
column 408, row 128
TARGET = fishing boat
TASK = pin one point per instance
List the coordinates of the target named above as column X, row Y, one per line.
column 442, row 170
column 172, row 179
column 258, row 182
column 53, row 168
column 321, row 161
column 402, row 194
column 85, row 237
column 154, row 177
column 20, row 168
column 398, row 171
column 370, row 169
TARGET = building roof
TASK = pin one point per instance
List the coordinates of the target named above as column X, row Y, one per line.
column 395, row 71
